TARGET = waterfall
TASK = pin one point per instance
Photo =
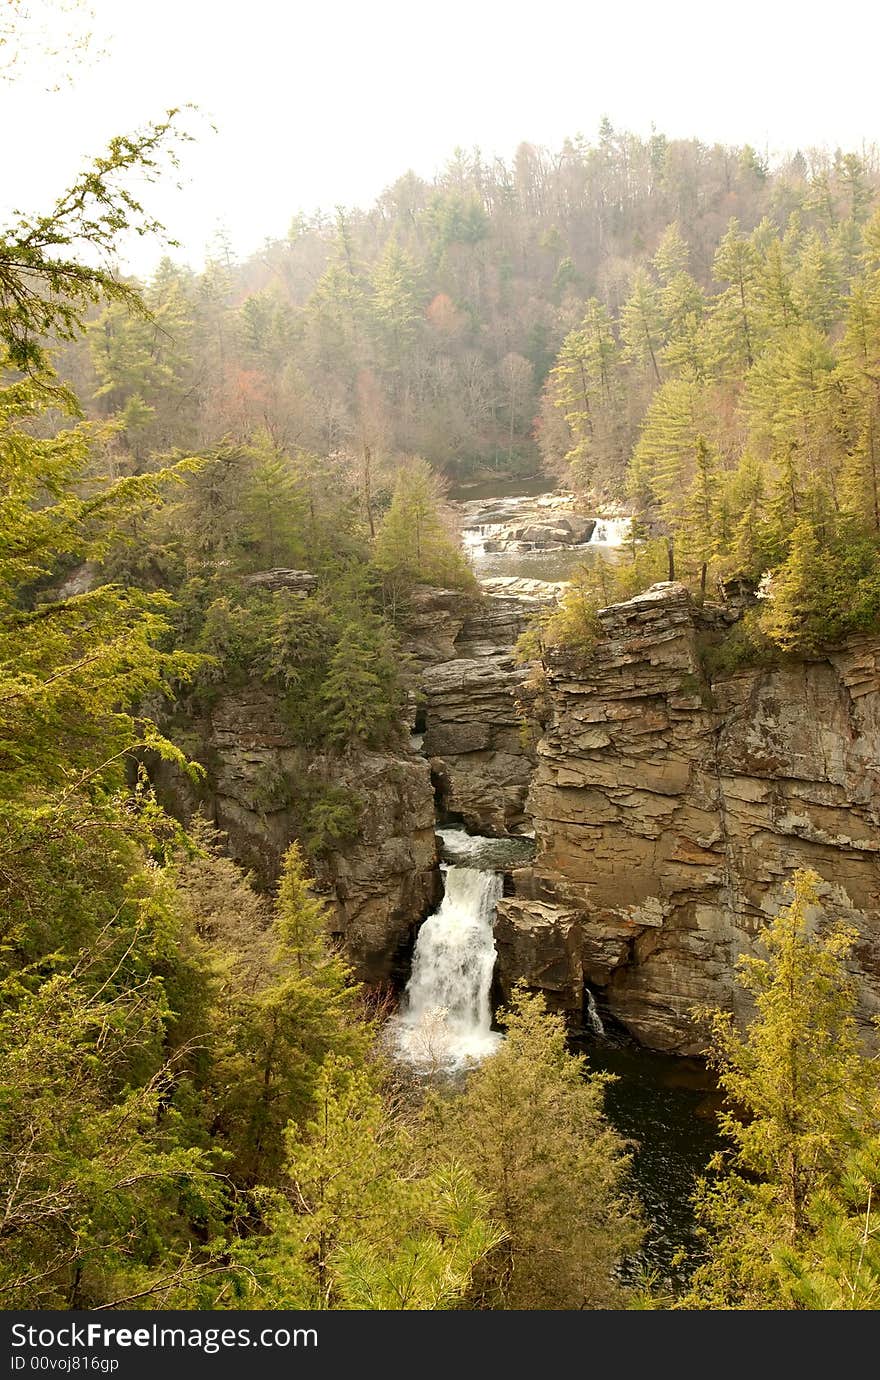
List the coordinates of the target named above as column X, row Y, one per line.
column 594, row 1020
column 610, row 532
column 447, row 1019
column 473, row 540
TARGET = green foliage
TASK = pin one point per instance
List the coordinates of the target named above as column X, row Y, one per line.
column 104, row 1189
column 788, row 1207
column 363, row 1223
column 143, row 363
column 46, row 280
column 744, row 644
column 158, row 1031
column 361, row 696
column 331, row 821
column 279, row 1030
column 530, row 1127
column 573, row 624
column 337, row 668
column 823, row 591
column 414, row 544
column 585, row 386
column 190, row 1111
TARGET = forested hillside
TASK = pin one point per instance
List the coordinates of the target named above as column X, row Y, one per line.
column 429, row 323
column 660, row 324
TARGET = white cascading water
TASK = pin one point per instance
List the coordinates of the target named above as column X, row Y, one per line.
column 594, row 1020
column 610, row 532
column 447, row 1018
column 473, row 539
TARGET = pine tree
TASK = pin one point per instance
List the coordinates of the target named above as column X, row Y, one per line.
column 816, row 287
column 277, row 1033
column 143, row 363
column 531, row 1129
column 751, row 548
column 665, row 457
column 700, row 532
column 361, row 695
column 274, row 516
column 672, row 256
column 641, row 324
column 777, row 312
column 800, row 1107
column 585, row 387
column 365, row 1223
column 413, row 543
column 395, row 304
column 860, row 374
column 736, row 264
column 793, row 403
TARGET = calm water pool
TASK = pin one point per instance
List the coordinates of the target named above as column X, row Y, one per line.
column 668, row 1106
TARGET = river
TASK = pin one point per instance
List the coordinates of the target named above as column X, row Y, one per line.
column 664, row 1106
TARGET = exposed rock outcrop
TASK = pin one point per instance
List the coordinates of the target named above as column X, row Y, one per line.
column 299, row 582
column 433, row 620
column 669, row 813
column 479, row 739
column 258, row 790
column 544, row 523
column 541, row 534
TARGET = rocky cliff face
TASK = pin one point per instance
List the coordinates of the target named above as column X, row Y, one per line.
column 479, row 740
column 258, row 787
column 669, row 812
column 478, row 758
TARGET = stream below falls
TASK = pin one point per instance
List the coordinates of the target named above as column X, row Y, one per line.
column 666, row 1107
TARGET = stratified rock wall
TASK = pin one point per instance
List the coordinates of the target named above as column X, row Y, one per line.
column 480, row 741
column 669, row 813
column 381, row 884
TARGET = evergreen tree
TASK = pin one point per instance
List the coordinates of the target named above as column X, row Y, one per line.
column 665, row 458
column 362, row 1223
column 585, row 387
column 395, row 304
column 274, row 516
column 143, row 364
column 816, row 287
column 531, row 1129
column 700, row 537
column 641, row 323
column 800, row 1107
column 413, row 543
column 362, row 694
column 736, row 264
column 277, row 1033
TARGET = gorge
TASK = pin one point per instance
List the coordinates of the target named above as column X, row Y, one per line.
column 439, row 738
column 668, row 804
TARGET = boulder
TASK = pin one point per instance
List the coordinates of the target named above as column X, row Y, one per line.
column 299, row 582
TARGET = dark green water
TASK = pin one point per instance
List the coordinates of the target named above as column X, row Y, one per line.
column 668, row 1108
column 502, row 486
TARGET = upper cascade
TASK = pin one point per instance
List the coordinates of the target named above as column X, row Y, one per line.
column 542, row 537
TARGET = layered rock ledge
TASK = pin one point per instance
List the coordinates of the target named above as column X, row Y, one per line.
column 478, row 732
column 670, row 811
column 380, row 884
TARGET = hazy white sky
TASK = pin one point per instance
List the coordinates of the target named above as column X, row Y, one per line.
column 328, row 102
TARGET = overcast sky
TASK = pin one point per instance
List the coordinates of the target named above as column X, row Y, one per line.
column 329, row 102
